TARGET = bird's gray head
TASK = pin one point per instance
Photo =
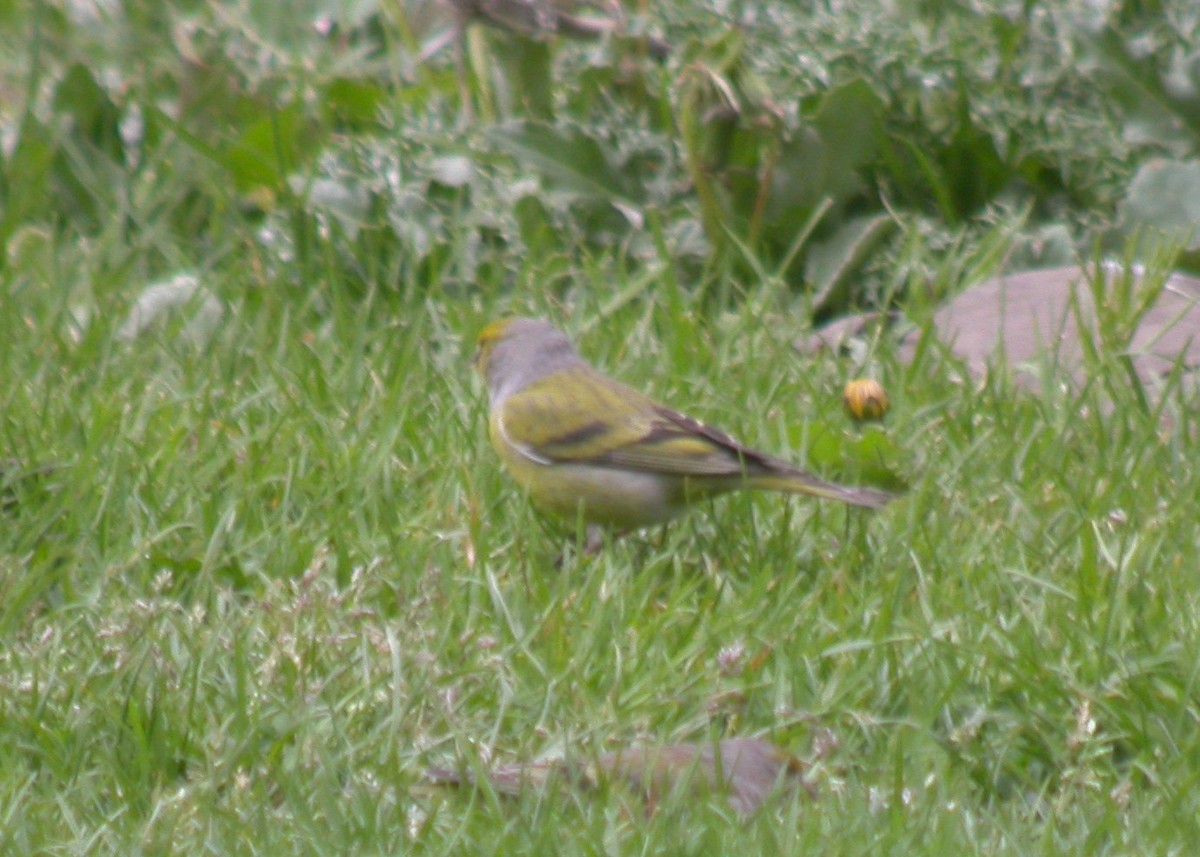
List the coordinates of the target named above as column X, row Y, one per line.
column 514, row 352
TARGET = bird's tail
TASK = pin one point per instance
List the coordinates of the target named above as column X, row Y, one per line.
column 796, row 481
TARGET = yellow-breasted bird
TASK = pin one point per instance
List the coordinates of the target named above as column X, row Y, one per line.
column 582, row 444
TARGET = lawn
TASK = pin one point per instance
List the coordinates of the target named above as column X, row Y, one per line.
column 260, row 569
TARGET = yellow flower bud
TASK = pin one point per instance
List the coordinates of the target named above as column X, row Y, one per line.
column 865, row 399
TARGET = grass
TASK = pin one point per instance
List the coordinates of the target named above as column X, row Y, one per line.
column 268, row 581
column 253, row 582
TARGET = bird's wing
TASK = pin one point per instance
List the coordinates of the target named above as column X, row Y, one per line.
column 679, row 445
column 580, row 416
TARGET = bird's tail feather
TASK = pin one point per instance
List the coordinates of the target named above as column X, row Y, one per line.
column 797, row 481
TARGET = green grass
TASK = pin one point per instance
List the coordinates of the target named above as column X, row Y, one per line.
column 253, row 583
column 268, row 581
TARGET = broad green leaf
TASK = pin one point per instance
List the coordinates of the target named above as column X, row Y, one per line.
column 867, row 456
column 1165, row 195
column 831, row 261
column 25, row 193
column 353, row 104
column 270, row 148
column 568, row 158
column 826, row 157
column 94, row 116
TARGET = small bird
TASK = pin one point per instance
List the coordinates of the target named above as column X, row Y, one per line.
column 585, row 446
column 746, row 771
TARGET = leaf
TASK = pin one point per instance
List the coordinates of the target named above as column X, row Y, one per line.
column 971, row 167
column 869, row 456
column 831, row 261
column 271, row 148
column 1155, row 113
column 957, row 172
column 530, row 76
column 826, row 157
column 28, row 176
column 1165, row 195
column 567, row 158
column 94, row 117
column 849, row 122
column 353, row 105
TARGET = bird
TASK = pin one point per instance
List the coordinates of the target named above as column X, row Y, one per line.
column 584, row 446
column 745, row 771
